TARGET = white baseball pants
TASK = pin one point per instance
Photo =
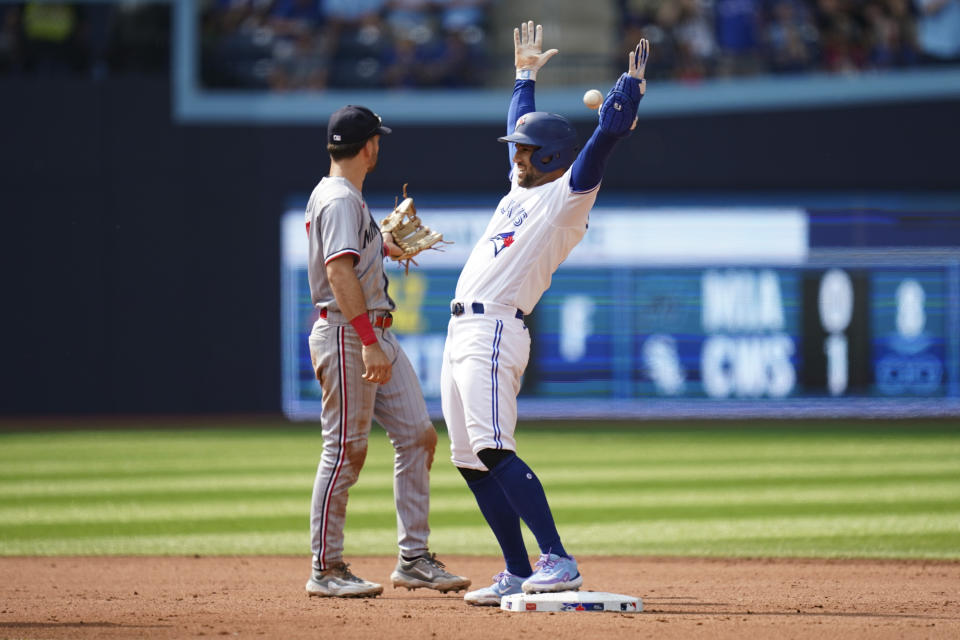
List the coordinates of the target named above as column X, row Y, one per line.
column 484, row 358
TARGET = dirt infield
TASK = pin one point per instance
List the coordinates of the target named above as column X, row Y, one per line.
column 263, row 597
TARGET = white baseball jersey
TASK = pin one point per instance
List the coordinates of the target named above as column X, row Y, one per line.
column 486, row 352
column 531, row 232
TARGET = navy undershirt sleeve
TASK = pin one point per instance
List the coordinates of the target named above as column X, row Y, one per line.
column 587, row 170
column 521, row 103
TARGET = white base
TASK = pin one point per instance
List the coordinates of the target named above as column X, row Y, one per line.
column 571, row 601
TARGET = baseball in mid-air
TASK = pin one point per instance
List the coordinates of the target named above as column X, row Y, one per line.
column 592, row 99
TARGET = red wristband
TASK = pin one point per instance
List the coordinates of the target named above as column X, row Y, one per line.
column 364, row 329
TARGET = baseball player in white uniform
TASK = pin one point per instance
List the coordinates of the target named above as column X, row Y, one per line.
column 363, row 372
column 533, row 229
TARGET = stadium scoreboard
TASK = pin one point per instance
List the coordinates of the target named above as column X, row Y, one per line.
column 821, row 338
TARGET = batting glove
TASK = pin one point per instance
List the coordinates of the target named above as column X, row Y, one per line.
column 618, row 113
column 528, row 54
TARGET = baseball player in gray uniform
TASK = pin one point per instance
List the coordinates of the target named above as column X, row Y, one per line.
column 363, row 372
column 532, row 230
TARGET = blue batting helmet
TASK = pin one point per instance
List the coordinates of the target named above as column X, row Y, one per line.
column 553, row 135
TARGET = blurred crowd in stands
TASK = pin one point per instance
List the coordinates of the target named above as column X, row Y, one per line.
column 313, row 44
column 84, row 38
column 695, row 39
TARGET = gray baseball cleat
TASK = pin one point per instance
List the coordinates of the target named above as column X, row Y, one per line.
column 504, row 584
column 338, row 582
column 426, row 571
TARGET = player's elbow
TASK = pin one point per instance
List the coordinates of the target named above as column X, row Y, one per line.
column 340, row 269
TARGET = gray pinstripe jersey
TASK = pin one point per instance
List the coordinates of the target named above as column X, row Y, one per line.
column 339, row 223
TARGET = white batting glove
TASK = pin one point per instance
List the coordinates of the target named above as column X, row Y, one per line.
column 637, row 66
column 637, row 61
column 528, row 54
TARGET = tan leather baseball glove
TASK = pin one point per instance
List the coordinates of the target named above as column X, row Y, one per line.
column 408, row 232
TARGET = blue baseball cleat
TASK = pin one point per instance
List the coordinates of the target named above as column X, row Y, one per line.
column 554, row 573
column 504, row 584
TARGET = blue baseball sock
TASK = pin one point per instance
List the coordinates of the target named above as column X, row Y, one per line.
column 504, row 522
column 523, row 490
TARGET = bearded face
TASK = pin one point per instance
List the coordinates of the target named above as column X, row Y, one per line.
column 527, row 174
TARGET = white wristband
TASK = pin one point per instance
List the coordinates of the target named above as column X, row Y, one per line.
column 526, row 74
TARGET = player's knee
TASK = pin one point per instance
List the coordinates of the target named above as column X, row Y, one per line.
column 428, row 440
column 356, row 453
column 472, row 475
column 492, row 457
column 424, row 438
column 419, row 444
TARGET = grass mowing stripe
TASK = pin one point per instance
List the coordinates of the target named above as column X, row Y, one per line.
column 94, row 500
column 752, row 483
column 28, row 522
column 741, row 455
column 156, row 471
column 771, row 470
column 286, row 543
column 760, row 515
column 477, row 540
column 106, row 509
column 679, row 530
column 799, row 493
column 795, row 491
column 80, row 530
column 114, row 512
column 77, row 449
column 380, row 541
column 623, row 475
column 747, row 452
column 175, row 504
column 603, row 513
column 243, row 486
column 106, row 469
column 913, row 545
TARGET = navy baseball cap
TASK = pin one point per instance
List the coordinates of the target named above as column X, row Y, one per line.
column 354, row 123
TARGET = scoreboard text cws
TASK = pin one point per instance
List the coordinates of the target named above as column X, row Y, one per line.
column 746, row 333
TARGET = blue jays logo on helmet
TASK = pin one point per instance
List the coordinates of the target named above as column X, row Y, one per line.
column 501, row 241
column 552, row 135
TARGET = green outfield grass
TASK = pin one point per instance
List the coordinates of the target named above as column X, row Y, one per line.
column 871, row 489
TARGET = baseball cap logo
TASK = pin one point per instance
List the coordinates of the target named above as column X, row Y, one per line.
column 354, row 123
column 521, row 120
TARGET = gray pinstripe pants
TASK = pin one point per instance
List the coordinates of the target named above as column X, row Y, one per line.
column 349, row 404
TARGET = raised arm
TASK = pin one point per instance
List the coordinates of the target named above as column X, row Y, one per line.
column 618, row 117
column 528, row 58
